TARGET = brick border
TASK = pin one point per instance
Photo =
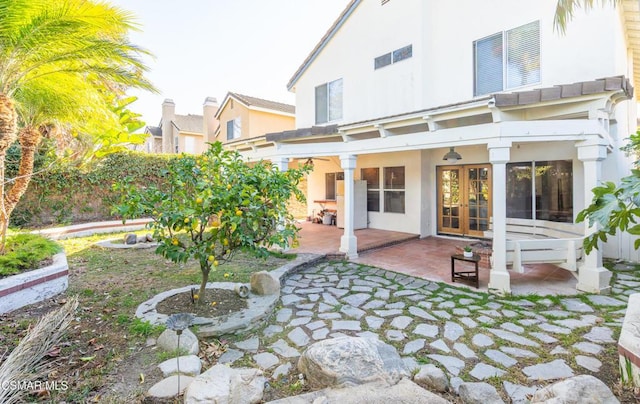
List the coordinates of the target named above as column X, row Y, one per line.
column 27, row 285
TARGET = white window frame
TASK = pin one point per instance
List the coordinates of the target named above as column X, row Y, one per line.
column 504, row 35
column 329, row 97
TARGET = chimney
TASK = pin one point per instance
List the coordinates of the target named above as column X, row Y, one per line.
column 210, row 123
column 168, row 115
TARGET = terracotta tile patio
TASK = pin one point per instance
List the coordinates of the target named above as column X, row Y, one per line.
column 428, row 258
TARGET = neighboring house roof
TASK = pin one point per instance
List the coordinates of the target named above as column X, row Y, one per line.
column 254, row 102
column 323, row 42
column 188, row 123
column 501, row 100
column 154, row 130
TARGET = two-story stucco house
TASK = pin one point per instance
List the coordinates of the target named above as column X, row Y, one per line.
column 470, row 118
column 183, row 133
column 243, row 117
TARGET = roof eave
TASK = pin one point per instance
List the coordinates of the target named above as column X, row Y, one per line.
column 323, row 42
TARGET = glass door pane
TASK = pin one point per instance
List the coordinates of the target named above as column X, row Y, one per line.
column 478, row 209
column 450, row 211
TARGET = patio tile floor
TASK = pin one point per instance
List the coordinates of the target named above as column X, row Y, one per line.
column 428, row 258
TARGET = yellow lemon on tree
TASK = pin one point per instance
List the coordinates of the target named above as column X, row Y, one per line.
column 215, row 263
column 186, row 220
column 238, row 212
column 211, row 258
column 174, row 241
column 225, row 241
column 228, row 187
column 198, row 201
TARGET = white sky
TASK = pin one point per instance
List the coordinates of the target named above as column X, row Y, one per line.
column 208, row 47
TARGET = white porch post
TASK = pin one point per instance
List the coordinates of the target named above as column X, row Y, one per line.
column 499, row 279
column 282, row 164
column 592, row 276
column 348, row 241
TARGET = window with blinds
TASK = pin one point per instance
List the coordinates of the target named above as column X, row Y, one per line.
column 329, row 101
column 507, row 59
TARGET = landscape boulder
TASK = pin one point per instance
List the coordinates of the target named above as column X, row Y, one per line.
column 168, row 388
column 130, row 239
column 222, row 384
column 189, row 345
column 583, row 389
column 350, row 361
column 263, row 283
column 189, row 365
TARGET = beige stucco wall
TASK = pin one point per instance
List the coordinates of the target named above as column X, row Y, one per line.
column 229, row 114
column 265, row 122
column 198, row 142
column 253, row 122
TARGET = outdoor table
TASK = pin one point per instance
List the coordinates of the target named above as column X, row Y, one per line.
column 465, row 275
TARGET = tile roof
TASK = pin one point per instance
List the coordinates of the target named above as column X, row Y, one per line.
column 615, row 83
column 189, row 123
column 155, row 131
column 262, row 103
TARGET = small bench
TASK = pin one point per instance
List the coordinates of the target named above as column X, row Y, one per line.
column 466, row 275
column 542, row 241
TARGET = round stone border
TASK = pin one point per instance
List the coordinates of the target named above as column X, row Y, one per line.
column 258, row 307
column 31, row 287
column 112, row 244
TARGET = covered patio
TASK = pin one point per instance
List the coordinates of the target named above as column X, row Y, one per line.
column 428, row 258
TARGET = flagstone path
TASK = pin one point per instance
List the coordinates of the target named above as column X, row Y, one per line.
column 472, row 336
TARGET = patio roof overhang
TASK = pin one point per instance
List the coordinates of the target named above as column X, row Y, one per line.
column 570, row 112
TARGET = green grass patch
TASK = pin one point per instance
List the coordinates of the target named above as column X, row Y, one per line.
column 25, row 252
column 144, row 328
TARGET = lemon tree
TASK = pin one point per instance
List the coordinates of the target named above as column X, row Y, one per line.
column 213, row 205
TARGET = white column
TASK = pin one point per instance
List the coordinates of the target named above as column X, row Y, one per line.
column 592, row 276
column 348, row 241
column 282, row 164
column 499, row 279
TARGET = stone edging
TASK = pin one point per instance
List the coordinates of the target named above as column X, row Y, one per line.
column 258, row 307
column 111, row 244
column 30, row 287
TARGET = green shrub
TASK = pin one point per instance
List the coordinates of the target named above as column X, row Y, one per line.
column 25, row 251
column 144, row 328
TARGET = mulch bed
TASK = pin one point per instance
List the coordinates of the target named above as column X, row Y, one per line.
column 217, row 302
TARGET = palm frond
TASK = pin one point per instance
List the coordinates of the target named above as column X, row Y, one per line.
column 565, row 10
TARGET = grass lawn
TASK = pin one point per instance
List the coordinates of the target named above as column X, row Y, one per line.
column 106, row 347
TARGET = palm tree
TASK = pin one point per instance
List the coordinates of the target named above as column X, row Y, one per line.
column 566, row 8
column 58, row 59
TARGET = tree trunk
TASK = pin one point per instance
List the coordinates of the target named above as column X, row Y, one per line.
column 8, row 123
column 29, row 139
column 203, row 284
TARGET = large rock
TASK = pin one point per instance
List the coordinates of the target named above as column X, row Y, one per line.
column 478, row 393
column 130, row 239
column 583, row 389
column 189, row 345
column 432, row 378
column 263, row 283
column 405, row 392
column 349, row 361
column 222, row 384
column 189, row 365
column 168, row 388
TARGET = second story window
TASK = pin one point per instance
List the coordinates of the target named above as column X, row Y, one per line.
column 329, row 102
column 234, row 129
column 507, row 59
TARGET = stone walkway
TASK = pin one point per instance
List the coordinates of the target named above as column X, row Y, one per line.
column 471, row 335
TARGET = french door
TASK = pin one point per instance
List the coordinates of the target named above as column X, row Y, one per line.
column 464, row 199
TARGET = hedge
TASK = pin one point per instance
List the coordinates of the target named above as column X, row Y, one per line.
column 66, row 194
